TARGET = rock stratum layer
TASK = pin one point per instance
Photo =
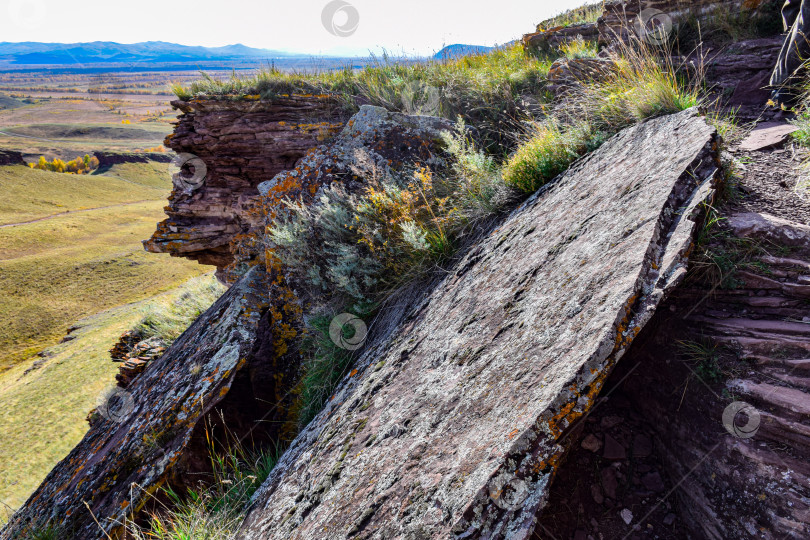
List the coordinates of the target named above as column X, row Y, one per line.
column 729, row 425
column 455, row 426
column 242, row 144
column 621, row 18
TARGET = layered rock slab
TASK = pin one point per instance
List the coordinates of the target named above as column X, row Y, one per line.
column 242, row 143
column 135, row 446
column 454, row 427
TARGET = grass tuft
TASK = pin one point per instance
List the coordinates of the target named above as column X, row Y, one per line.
column 579, row 48
column 548, row 152
column 214, row 510
column 638, row 83
column 169, row 318
column 325, row 365
column 704, row 356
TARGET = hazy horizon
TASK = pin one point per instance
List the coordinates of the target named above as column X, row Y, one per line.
column 358, row 27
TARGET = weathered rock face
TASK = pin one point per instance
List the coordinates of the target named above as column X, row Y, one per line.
column 456, row 424
column 730, row 421
column 139, row 438
column 743, row 70
column 108, row 159
column 242, row 143
column 620, row 16
column 548, row 38
column 754, row 481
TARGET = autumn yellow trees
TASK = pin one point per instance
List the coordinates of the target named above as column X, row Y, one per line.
column 80, row 165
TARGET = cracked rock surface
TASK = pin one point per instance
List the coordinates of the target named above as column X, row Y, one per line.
column 455, row 426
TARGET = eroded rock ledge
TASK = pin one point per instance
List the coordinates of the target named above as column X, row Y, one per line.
column 242, row 144
column 456, row 425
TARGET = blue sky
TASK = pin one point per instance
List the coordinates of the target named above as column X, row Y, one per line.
column 412, row 27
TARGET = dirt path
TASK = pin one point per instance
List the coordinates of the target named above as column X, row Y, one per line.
column 6, row 133
column 73, row 212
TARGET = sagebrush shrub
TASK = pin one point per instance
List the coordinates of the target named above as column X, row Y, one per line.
column 359, row 247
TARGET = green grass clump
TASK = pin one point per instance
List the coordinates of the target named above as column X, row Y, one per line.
column 637, row 84
column 216, row 509
column 802, row 121
column 325, row 365
column 705, row 358
column 169, row 318
column 579, row 48
column 641, row 84
column 550, row 151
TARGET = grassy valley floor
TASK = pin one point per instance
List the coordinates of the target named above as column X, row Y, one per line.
column 70, row 249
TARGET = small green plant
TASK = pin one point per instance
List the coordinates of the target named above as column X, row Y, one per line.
column 704, row 356
column 548, row 152
column 579, row 48
column 720, row 255
column 325, row 365
column 802, row 122
column 479, row 186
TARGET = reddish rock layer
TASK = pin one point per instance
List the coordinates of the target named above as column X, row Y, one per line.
column 242, row 144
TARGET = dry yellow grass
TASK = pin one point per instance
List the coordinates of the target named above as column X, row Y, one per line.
column 56, row 271
column 27, row 194
column 86, row 264
column 42, row 414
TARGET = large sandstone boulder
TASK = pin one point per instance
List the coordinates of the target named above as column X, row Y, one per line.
column 456, row 424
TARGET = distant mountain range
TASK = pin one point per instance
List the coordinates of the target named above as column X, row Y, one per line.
column 159, row 52
column 107, row 52
column 457, row 50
